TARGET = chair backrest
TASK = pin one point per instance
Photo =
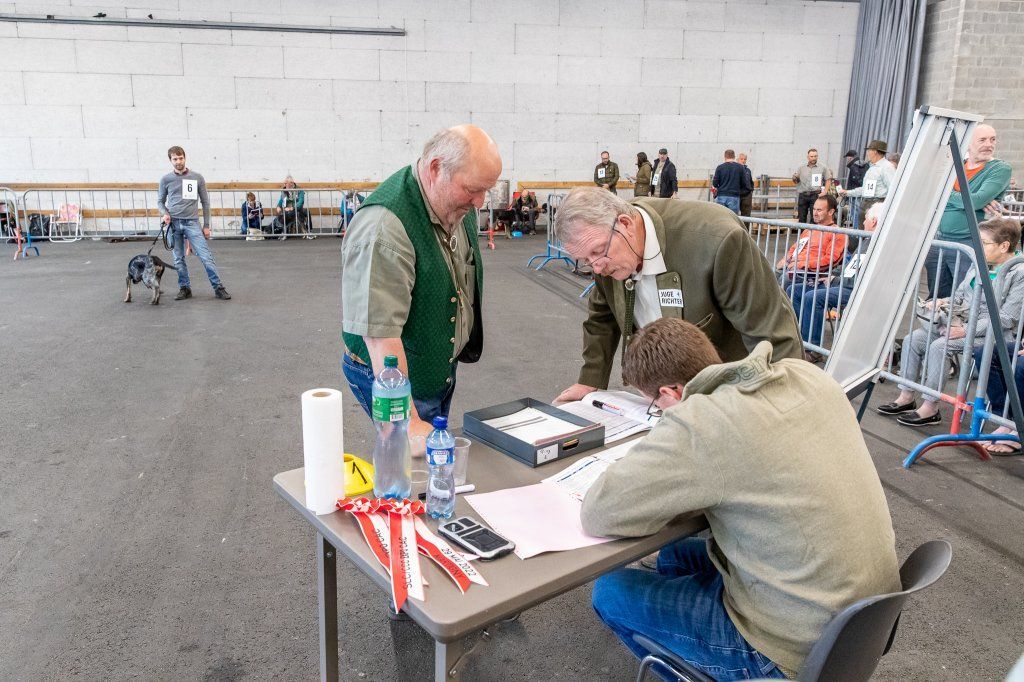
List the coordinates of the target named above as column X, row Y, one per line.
column 856, row 638
column 68, row 213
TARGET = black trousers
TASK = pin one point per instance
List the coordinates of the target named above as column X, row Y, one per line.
column 746, row 202
column 805, row 206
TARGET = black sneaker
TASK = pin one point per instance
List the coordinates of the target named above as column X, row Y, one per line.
column 219, row 292
column 183, row 293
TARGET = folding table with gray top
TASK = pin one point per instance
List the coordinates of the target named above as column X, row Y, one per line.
column 514, row 585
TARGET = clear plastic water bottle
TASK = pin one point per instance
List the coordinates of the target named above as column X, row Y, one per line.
column 441, row 481
column 392, row 460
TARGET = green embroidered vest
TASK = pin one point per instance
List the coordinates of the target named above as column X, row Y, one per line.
column 430, row 326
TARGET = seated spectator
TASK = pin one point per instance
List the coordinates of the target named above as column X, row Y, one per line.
column 350, row 202
column 252, row 213
column 814, row 252
column 812, row 301
column 800, row 528
column 997, row 398
column 1000, row 238
column 526, row 209
column 290, row 208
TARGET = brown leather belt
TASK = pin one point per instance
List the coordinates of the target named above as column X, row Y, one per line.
column 355, row 358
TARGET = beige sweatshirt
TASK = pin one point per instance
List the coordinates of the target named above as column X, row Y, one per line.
column 773, row 455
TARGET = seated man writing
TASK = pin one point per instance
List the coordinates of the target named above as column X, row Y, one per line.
column 771, row 453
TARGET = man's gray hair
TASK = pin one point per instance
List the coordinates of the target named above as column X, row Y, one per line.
column 875, row 210
column 588, row 207
column 450, row 147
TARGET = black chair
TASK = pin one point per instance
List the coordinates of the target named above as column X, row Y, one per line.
column 854, row 640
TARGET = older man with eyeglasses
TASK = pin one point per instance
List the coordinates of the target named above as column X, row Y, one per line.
column 655, row 258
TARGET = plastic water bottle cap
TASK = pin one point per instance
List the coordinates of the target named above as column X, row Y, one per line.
column 440, row 422
column 391, row 361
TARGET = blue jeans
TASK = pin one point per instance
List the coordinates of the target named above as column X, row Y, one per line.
column 996, row 385
column 182, row 229
column 810, row 304
column 939, row 271
column 731, row 203
column 680, row 607
column 360, row 380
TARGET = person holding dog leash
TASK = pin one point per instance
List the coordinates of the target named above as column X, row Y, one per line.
column 178, row 200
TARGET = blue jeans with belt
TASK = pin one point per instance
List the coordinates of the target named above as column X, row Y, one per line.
column 360, row 380
column 182, row 229
column 731, row 203
column 680, row 607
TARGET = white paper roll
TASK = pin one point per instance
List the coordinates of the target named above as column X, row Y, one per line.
column 323, row 449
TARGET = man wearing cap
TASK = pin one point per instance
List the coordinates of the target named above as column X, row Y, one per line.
column 877, row 179
column 663, row 177
column 606, row 173
column 855, row 169
column 812, row 181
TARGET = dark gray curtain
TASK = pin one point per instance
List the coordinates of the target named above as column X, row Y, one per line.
column 886, row 62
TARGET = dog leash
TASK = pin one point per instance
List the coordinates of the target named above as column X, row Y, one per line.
column 162, row 234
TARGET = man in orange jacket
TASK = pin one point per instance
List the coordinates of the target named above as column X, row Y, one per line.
column 815, row 252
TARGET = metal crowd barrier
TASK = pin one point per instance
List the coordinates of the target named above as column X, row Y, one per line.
column 965, row 367
column 769, row 199
column 123, row 213
column 9, row 216
column 553, row 249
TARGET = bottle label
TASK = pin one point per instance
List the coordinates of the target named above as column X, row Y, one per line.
column 440, row 456
column 390, row 409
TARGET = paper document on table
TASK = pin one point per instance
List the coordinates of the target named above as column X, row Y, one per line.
column 538, row 518
column 576, row 479
column 530, row 425
column 633, row 417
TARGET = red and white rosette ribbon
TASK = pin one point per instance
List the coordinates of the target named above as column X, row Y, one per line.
column 374, row 529
column 451, row 562
column 406, row 580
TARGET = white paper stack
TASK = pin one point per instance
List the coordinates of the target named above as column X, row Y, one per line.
column 323, row 449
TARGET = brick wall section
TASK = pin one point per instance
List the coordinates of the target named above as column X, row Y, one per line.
column 972, row 61
column 554, row 81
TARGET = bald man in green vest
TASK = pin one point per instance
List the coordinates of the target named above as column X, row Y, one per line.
column 413, row 276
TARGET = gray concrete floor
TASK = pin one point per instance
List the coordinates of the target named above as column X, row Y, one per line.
column 140, row 537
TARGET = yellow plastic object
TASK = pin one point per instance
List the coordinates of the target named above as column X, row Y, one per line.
column 358, row 476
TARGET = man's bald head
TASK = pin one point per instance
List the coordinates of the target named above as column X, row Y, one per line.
column 983, row 145
column 462, row 146
column 457, row 168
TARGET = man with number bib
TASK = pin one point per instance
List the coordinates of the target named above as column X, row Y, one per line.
column 178, row 201
column 413, row 277
column 655, row 258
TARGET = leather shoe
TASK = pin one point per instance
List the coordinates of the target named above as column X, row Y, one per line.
column 221, row 293
column 914, row 419
column 891, row 409
column 183, row 293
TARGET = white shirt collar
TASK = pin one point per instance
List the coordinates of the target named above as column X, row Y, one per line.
column 654, row 261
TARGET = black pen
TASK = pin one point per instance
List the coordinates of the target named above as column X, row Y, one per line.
column 468, row 488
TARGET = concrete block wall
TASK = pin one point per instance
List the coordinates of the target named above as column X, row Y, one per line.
column 971, row 62
column 554, row 81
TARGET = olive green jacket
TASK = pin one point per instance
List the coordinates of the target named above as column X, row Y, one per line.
column 611, row 175
column 642, row 187
column 729, row 289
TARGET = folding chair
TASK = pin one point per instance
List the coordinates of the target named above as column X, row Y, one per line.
column 854, row 640
column 66, row 225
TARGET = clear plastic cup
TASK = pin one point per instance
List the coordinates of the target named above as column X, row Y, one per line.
column 461, row 460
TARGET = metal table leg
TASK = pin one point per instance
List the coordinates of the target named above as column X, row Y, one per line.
column 446, row 655
column 327, row 607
